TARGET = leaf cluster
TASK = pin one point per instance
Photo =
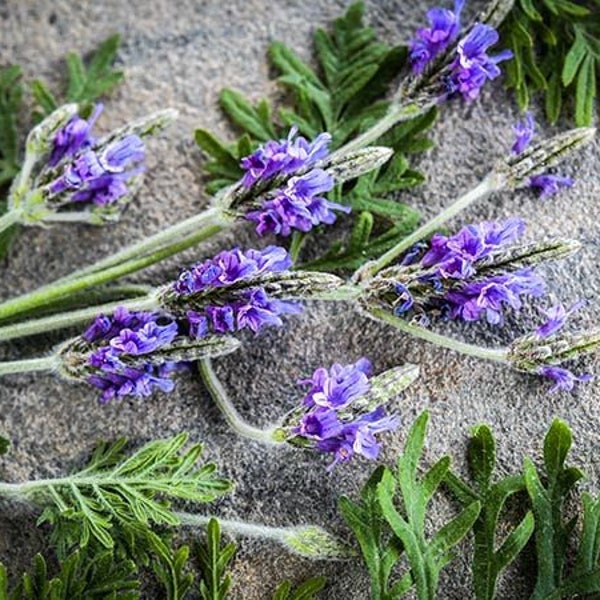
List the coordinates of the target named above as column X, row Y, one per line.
column 119, row 495
column 344, row 94
column 389, row 523
column 556, row 47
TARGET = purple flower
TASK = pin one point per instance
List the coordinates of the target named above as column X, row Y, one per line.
column 231, row 266
column 335, row 420
column 488, row 298
column 557, row 317
column 524, row 131
column 550, row 184
column 284, row 157
column 73, row 137
column 563, row 378
column 473, row 66
column 298, row 206
column 455, row 256
column 117, row 340
column 431, row 41
column 101, row 177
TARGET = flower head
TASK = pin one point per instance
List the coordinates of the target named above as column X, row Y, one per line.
column 473, row 66
column 564, row 379
column 132, row 354
column 284, row 157
column 430, row 42
column 343, row 410
column 524, row 131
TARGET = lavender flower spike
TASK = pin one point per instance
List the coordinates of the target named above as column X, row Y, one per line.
column 430, row 42
column 343, row 411
column 133, row 354
column 70, row 175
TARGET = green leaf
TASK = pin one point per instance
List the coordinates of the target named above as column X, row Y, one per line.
column 170, row 571
column 11, row 97
column 4, row 445
column 214, row 561
column 252, row 119
column 306, row 591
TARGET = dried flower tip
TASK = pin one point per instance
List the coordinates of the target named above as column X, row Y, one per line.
column 495, row 12
column 316, row 543
column 343, row 167
column 519, row 170
column 40, row 138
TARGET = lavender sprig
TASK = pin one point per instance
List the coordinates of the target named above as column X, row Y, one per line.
column 69, row 175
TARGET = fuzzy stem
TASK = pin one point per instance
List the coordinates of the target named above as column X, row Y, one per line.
column 236, row 527
column 236, row 422
column 27, row 366
column 491, row 183
column 49, row 293
column 162, row 239
column 85, row 217
column 9, row 219
column 495, row 354
column 69, row 319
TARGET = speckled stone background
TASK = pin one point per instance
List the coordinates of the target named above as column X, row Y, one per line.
column 180, row 53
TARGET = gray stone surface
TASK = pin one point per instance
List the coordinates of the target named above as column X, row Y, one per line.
column 181, row 53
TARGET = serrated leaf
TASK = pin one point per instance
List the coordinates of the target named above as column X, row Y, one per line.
column 306, row 591
column 246, row 116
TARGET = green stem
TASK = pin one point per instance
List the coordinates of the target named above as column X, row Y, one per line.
column 495, row 354
column 47, row 294
column 69, row 319
column 164, row 238
column 8, row 219
column 236, row 422
column 72, row 217
column 396, row 114
column 491, row 183
column 27, row 366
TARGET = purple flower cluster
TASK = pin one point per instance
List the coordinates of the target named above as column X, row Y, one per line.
column 430, row 42
column 73, row 137
column 99, row 177
column 546, row 183
column 253, row 308
column 300, row 204
column 564, row 379
column 116, row 341
column 472, row 66
column 452, row 266
column 284, row 157
column 328, row 423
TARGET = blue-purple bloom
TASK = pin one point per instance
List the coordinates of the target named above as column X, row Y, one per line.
column 564, row 379
column 524, row 131
column 284, row 157
column 557, row 317
column 73, row 137
column 430, row 42
column 473, row 66
column 101, row 177
column 116, row 341
column 252, row 308
column 328, row 422
column 546, row 183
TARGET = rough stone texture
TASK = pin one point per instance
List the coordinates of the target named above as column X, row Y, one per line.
column 181, row 53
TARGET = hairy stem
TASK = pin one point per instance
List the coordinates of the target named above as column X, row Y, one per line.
column 9, row 219
column 495, row 354
column 69, row 319
column 29, row 365
column 233, row 418
column 49, row 293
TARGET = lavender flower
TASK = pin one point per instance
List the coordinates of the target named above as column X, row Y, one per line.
column 133, row 354
column 430, row 42
column 284, row 157
column 473, row 66
column 541, row 351
column 343, row 411
column 228, row 288
column 477, row 273
column 547, row 184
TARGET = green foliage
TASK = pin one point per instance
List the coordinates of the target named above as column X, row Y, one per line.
column 85, row 84
column 305, row 591
column 4, row 445
column 11, row 97
column 426, row 556
column 82, row 576
column 214, row 561
column 489, row 561
column 120, row 496
column 556, row 44
column 170, row 570
column 343, row 95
